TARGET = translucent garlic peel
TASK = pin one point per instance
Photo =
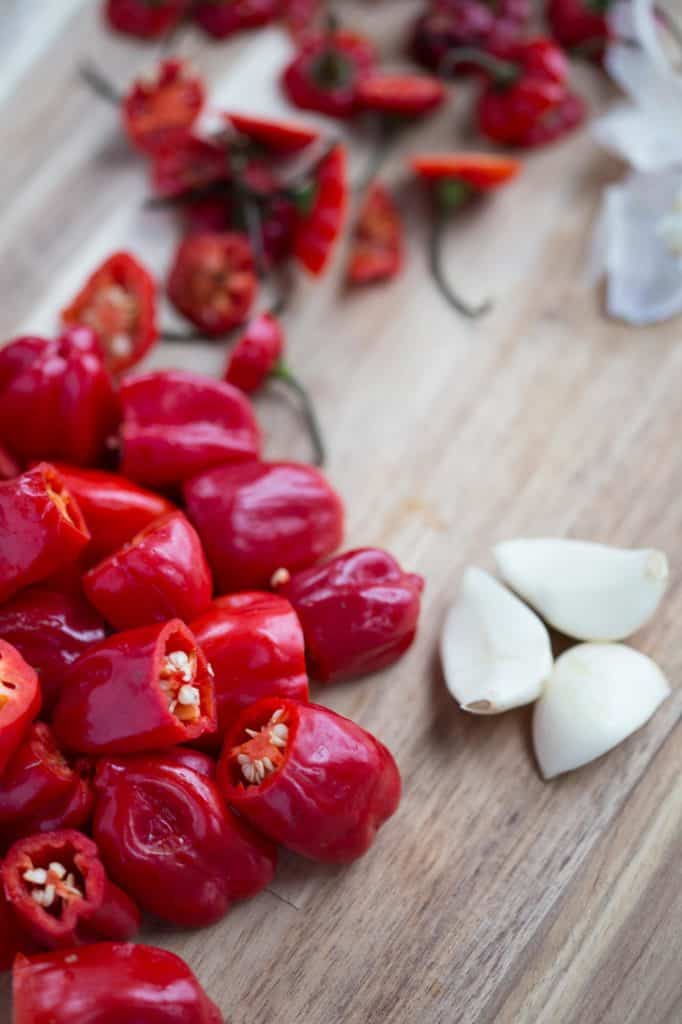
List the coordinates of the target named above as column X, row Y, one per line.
column 587, row 591
column 495, row 651
column 596, row 696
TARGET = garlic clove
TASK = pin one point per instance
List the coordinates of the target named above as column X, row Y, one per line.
column 596, row 696
column 588, row 591
column 495, row 651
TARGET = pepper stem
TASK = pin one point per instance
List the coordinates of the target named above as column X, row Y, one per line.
column 99, row 83
column 438, row 273
column 282, row 373
column 503, row 72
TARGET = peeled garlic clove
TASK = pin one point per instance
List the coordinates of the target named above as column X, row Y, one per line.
column 495, row 651
column 596, row 696
column 588, row 591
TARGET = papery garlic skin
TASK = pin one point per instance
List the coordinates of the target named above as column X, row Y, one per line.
column 587, row 591
column 596, row 696
column 495, row 651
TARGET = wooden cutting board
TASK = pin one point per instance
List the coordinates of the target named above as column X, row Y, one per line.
column 492, row 897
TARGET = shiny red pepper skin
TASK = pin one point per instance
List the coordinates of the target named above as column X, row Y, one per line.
column 254, row 643
column 402, row 95
column 97, row 910
column 109, row 983
column 318, row 231
column 277, row 136
column 19, row 701
column 256, row 517
column 8, row 466
column 377, row 247
column 50, row 628
column 213, row 281
column 56, row 398
column 37, row 780
column 163, row 110
column 75, row 812
column 160, row 574
column 41, row 528
column 185, row 757
column 177, row 424
column 359, row 613
column 335, row 786
column 325, row 73
column 118, row 301
column 221, row 18
column 114, row 509
column 113, row 702
column 13, row 939
column 448, row 24
column 166, row 837
column 256, row 354
column 580, row 24
column 146, row 19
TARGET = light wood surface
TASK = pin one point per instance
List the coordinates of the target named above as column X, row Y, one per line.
column 491, row 897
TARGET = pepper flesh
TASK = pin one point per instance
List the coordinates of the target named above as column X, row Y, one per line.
column 162, row 111
column 318, row 230
column 19, row 701
column 158, row 672
column 308, row 778
column 160, row 574
column 254, row 643
column 253, row 518
column 213, row 281
column 278, row 136
column 168, row 839
column 377, row 247
column 359, row 613
column 109, row 983
column 60, row 894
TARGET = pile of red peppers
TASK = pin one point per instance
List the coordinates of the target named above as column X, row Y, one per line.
column 166, row 598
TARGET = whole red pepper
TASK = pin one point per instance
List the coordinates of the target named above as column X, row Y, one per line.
column 325, row 73
column 75, row 812
column 213, row 281
column 221, row 18
column 177, row 424
column 254, row 644
column 114, row 509
column 50, row 628
column 166, row 837
column 141, row 690
column 256, row 517
column 109, row 983
column 359, row 613
column 162, row 110
column 580, row 25
column 38, row 780
column 56, row 398
column 13, row 939
column 19, row 701
column 320, row 225
column 377, row 247
column 147, row 19
column 401, row 95
column 448, row 24
column 118, row 301
column 60, row 893
column 277, row 136
column 160, row 574
column 41, row 528
column 309, row 779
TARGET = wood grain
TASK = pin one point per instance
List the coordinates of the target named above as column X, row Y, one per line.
column 492, row 897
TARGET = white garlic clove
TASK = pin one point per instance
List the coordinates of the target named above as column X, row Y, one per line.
column 495, row 651
column 588, row 591
column 596, row 696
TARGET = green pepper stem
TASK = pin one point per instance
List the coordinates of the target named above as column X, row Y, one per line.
column 99, row 83
column 436, row 265
column 503, row 72
column 282, row 373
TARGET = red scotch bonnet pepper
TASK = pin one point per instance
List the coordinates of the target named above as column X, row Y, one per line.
column 309, row 779
column 359, row 612
column 213, row 281
column 580, row 25
column 221, row 18
column 254, row 643
column 327, row 70
column 41, row 528
column 149, row 806
column 19, row 701
column 118, row 301
column 60, row 894
column 50, row 628
column 402, row 95
column 177, row 424
column 161, row 111
column 56, row 398
column 282, row 137
column 447, row 24
column 143, row 689
column 255, row 517
column 110, row 983
column 160, row 574
column 187, row 166
column 147, row 19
